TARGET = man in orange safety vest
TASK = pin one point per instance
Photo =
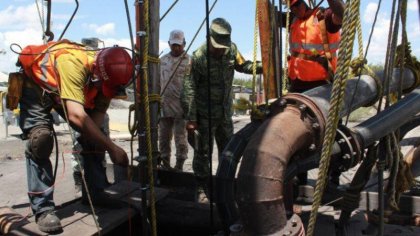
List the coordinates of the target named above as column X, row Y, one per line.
column 314, row 40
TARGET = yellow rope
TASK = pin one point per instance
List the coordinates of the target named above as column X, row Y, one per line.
column 147, row 117
column 359, row 35
column 401, row 176
column 254, row 62
column 154, row 97
column 344, row 58
column 153, row 59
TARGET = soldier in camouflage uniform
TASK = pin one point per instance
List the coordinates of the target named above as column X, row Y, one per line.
column 171, row 122
column 225, row 58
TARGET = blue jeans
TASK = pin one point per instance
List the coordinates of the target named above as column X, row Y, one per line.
column 35, row 108
column 35, row 111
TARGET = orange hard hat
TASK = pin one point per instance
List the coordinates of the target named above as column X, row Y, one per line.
column 115, row 68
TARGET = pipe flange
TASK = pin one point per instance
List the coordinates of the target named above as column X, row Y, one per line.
column 416, row 72
column 294, row 227
column 309, row 108
column 351, row 152
column 277, row 106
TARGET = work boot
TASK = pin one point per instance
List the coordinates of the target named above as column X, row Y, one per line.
column 165, row 163
column 48, row 222
column 179, row 166
column 77, row 176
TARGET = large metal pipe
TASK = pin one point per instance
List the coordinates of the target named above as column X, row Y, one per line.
column 366, row 93
column 261, row 175
column 388, row 120
column 226, row 171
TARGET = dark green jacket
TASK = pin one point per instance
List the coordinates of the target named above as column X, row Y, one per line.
column 195, row 92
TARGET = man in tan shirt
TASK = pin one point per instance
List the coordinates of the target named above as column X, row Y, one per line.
column 173, row 67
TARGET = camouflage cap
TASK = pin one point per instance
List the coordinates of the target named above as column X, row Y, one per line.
column 220, row 33
column 177, row 37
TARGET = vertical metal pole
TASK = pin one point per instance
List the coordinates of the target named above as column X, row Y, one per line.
column 381, row 198
column 210, row 150
column 141, row 136
column 154, row 76
column 280, row 46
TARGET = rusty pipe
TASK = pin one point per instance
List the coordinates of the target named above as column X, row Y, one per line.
column 265, row 160
column 260, row 178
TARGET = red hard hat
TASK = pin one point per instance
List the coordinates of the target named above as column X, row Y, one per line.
column 114, row 67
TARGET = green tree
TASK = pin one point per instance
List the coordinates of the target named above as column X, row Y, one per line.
column 247, row 83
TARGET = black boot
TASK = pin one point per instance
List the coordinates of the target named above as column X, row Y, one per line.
column 179, row 166
column 165, row 163
column 48, row 222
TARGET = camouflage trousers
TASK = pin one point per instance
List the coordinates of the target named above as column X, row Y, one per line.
column 173, row 127
column 222, row 131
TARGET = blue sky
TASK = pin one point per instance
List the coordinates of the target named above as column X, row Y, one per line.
column 106, row 19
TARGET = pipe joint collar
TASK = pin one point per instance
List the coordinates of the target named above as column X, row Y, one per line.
column 309, row 109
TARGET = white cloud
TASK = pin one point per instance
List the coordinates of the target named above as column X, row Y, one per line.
column 105, row 29
column 163, row 46
column 18, row 25
column 19, row 18
column 412, row 5
column 379, row 41
column 109, row 42
column 413, row 31
column 22, row 38
column 58, row 27
column 369, row 14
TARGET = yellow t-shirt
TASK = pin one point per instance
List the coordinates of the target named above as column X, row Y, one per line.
column 73, row 78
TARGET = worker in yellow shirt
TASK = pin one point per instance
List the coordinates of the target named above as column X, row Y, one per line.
column 79, row 84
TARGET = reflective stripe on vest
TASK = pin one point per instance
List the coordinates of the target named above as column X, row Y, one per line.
column 311, row 46
column 39, row 61
column 306, row 37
